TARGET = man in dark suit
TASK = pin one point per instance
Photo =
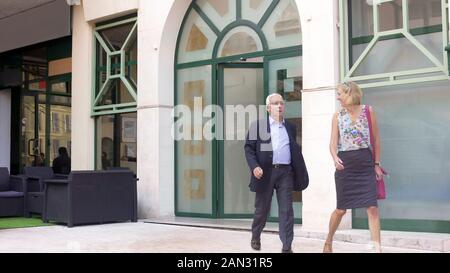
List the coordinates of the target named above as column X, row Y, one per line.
column 276, row 162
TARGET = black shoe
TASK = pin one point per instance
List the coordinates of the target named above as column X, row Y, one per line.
column 287, row 250
column 256, row 244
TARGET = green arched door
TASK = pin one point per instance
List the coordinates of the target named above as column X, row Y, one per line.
column 230, row 53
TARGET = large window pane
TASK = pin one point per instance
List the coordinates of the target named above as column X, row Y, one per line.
column 286, row 78
column 425, row 13
column 128, row 141
column 253, row 10
column 391, row 15
column 116, row 65
column 239, row 41
column 242, row 86
column 115, row 92
column 115, row 37
column 28, row 115
column 283, row 29
column 395, row 54
column 105, row 142
column 194, row 157
column 117, row 141
column 197, row 40
column 422, row 13
column 220, row 12
column 34, row 67
column 415, row 140
column 361, row 18
column 60, row 131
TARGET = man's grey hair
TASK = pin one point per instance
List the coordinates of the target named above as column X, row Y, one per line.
column 270, row 96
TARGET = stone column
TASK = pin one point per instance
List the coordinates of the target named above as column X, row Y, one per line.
column 5, row 128
column 158, row 26
column 82, row 124
column 320, row 74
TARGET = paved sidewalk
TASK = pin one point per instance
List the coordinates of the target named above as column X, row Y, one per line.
column 153, row 238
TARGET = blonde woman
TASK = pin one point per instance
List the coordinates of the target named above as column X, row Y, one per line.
column 356, row 170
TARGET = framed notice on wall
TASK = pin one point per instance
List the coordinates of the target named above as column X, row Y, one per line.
column 129, row 129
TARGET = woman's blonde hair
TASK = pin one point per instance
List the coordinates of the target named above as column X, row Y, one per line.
column 353, row 92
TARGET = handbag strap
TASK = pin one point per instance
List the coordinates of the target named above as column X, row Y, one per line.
column 372, row 140
column 369, row 120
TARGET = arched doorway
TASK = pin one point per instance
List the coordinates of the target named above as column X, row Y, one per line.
column 232, row 52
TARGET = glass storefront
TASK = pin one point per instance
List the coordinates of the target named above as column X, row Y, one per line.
column 411, row 105
column 41, row 103
column 415, row 138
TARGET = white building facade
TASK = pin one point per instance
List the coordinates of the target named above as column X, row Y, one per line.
column 133, row 61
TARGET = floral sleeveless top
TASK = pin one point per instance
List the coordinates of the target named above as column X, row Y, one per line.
column 353, row 135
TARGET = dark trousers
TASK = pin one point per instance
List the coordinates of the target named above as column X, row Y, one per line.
column 281, row 180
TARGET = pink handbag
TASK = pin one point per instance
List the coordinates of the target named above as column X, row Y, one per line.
column 381, row 189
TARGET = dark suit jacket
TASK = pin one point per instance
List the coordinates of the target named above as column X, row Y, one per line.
column 258, row 152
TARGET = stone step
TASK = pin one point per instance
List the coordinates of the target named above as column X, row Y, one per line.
column 436, row 242
column 415, row 240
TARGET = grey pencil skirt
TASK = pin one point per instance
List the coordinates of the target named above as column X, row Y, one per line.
column 356, row 183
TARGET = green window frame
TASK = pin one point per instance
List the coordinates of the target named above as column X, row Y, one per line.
column 99, row 92
column 440, row 70
column 118, row 64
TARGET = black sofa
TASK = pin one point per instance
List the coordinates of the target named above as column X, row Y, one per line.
column 12, row 188
column 89, row 197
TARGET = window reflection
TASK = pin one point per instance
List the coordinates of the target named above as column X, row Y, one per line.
column 117, row 141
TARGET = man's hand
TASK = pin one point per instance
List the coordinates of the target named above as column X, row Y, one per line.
column 258, row 172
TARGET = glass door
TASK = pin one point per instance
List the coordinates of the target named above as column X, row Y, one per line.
column 45, row 126
column 60, row 126
column 32, row 130
column 239, row 84
column 285, row 77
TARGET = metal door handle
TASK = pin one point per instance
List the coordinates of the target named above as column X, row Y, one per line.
column 33, row 147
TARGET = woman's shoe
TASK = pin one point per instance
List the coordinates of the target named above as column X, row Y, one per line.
column 374, row 247
column 328, row 248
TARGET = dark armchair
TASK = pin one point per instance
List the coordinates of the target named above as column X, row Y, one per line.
column 88, row 197
column 12, row 188
column 35, row 187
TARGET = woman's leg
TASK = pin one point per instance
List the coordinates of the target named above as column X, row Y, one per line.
column 335, row 220
column 374, row 225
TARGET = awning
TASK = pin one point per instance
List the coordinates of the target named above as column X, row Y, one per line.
column 27, row 22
